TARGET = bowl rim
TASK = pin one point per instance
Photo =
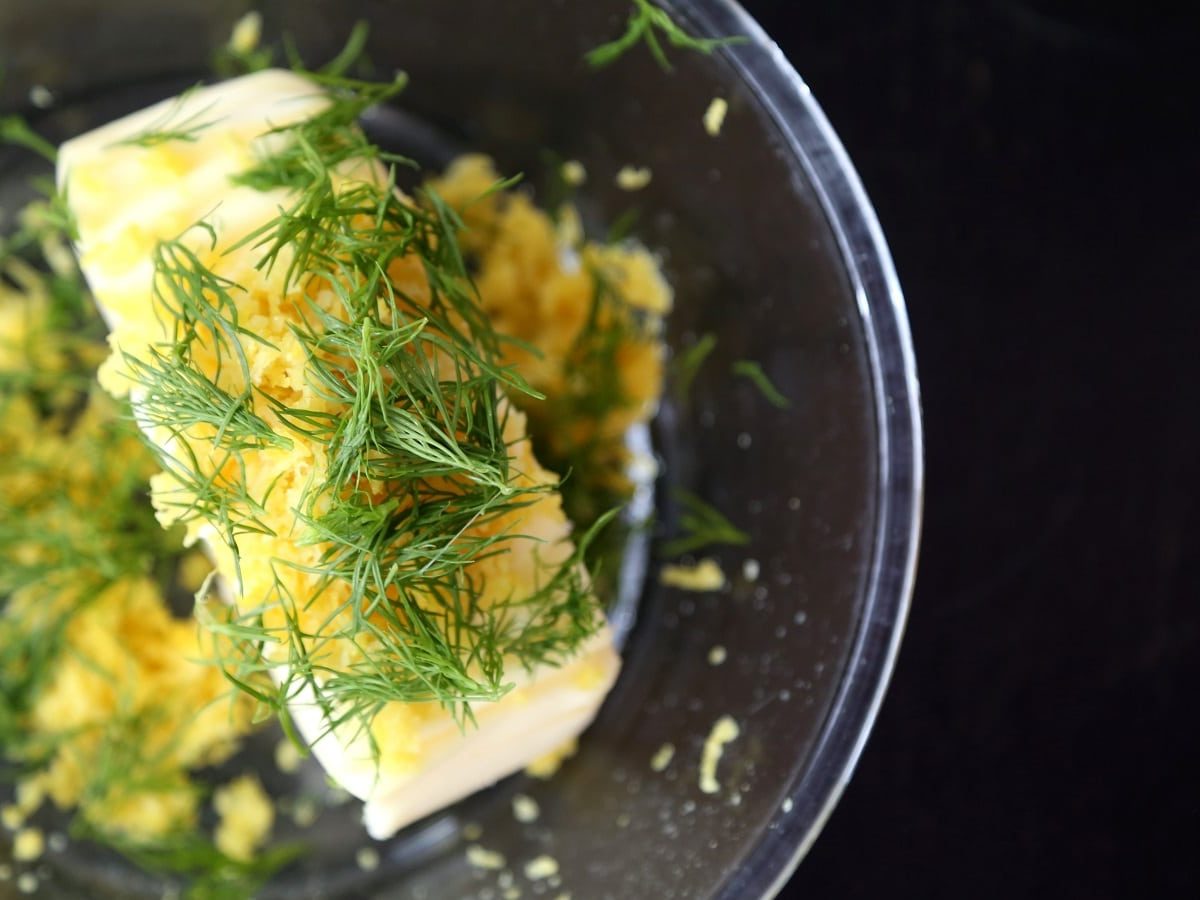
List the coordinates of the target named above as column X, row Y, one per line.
column 867, row 262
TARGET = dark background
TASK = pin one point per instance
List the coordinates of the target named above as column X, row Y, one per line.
column 1034, row 168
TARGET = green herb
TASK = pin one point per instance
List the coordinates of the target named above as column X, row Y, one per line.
column 172, row 126
column 554, row 191
column 15, row 130
column 650, row 24
column 622, row 226
column 201, row 309
column 421, row 422
column 209, row 874
column 701, row 526
column 687, row 365
column 74, row 520
column 753, row 371
column 349, row 55
column 568, row 427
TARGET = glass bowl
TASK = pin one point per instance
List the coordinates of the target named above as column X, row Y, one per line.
column 772, row 246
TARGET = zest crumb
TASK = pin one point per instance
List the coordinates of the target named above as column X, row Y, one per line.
column 717, row 655
column 541, row 867
column 12, row 817
column 246, row 33
column 714, row 116
column 28, row 845
column 305, row 812
column 482, row 858
column 30, row 794
column 27, row 883
column 787, row 806
column 750, row 569
column 632, row 178
column 194, row 569
column 287, row 756
column 546, row 765
column 724, row 731
column 525, row 809
column 57, row 842
column 367, row 859
column 573, row 172
column 472, row 831
column 246, row 816
column 662, row 757
column 40, row 96
column 705, row 575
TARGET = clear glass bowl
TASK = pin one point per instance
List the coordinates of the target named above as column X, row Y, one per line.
column 772, row 246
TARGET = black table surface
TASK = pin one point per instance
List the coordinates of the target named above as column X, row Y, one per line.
column 1034, row 169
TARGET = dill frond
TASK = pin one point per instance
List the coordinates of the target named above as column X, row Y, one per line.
column 418, row 479
column 688, row 363
column 172, row 126
column 650, row 24
column 16, row 131
column 702, row 525
column 753, row 372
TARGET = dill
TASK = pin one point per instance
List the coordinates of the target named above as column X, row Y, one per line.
column 171, row 126
column 350, row 54
column 688, row 363
column 16, row 131
column 623, row 225
column 178, row 397
column 76, row 528
column 650, row 24
column 569, row 426
column 702, row 526
column 753, row 372
column 211, row 874
column 419, row 481
column 202, row 311
column 325, row 141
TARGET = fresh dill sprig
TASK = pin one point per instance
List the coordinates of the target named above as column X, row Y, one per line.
column 171, row 126
column 569, row 426
column 650, row 24
column 56, row 550
column 350, row 54
column 209, row 873
column 419, row 475
column 701, row 525
column 623, row 225
column 75, row 524
column 752, row 371
column 16, row 131
column 686, row 366
column 202, row 312
column 178, row 397
column 324, row 141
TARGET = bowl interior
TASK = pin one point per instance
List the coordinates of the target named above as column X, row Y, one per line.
column 749, row 248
